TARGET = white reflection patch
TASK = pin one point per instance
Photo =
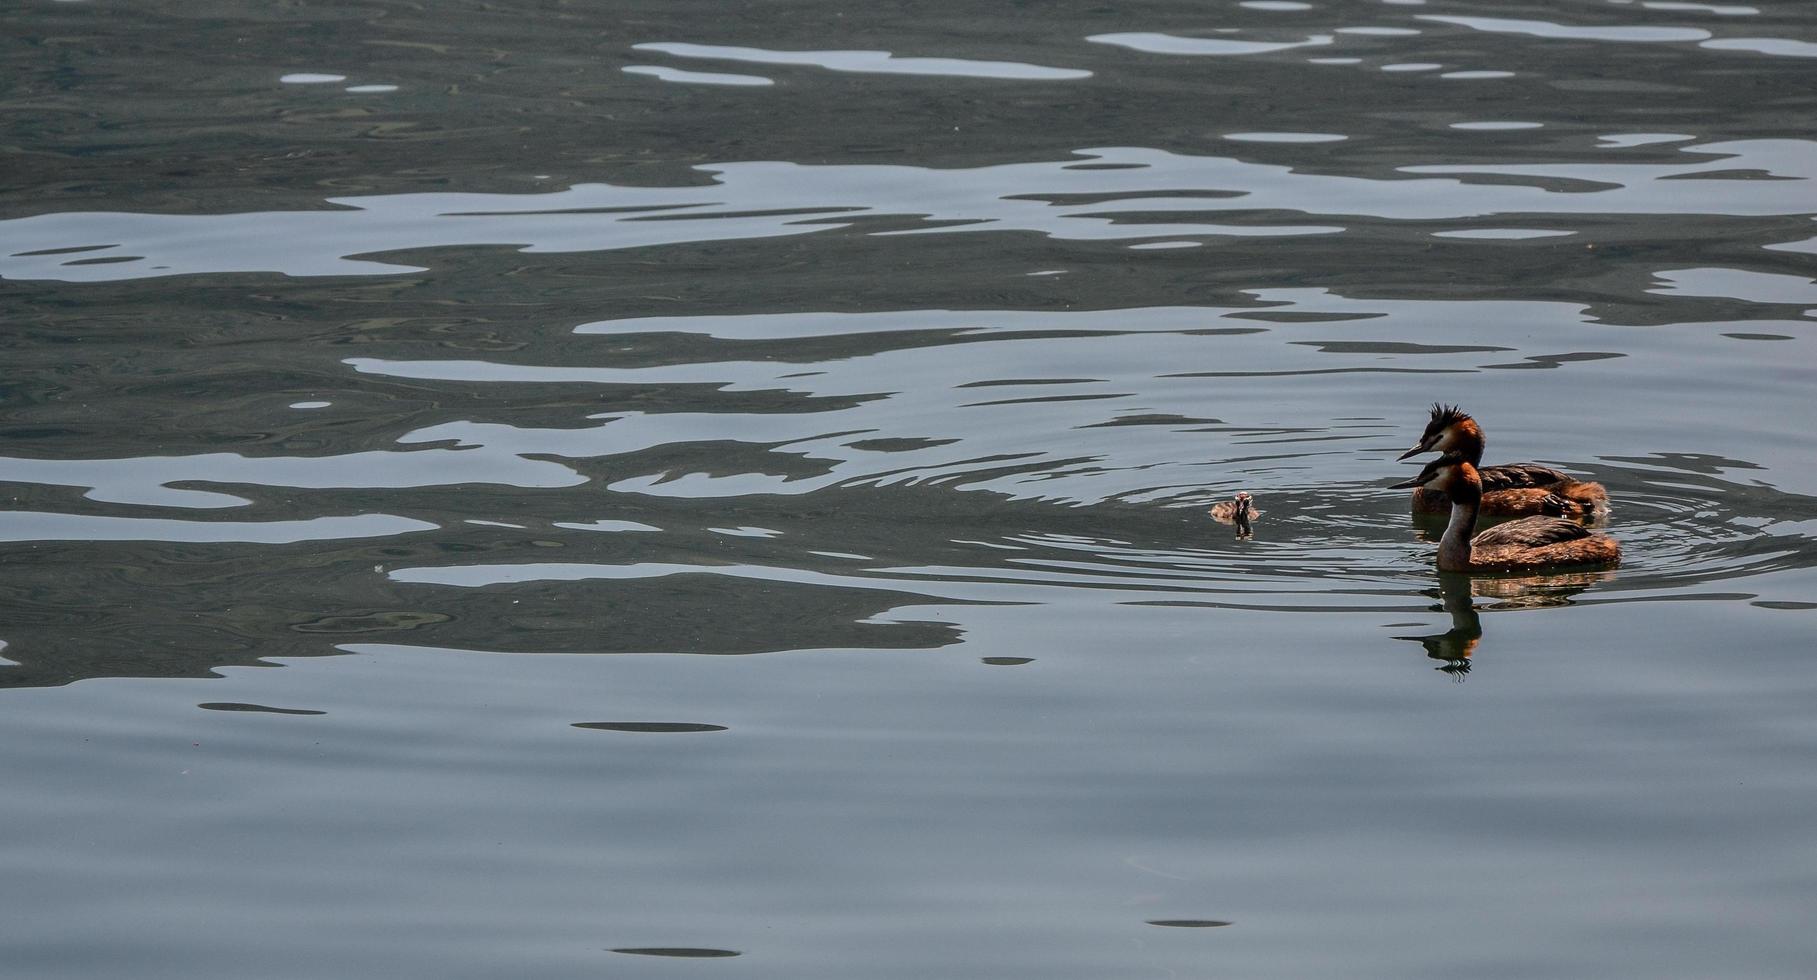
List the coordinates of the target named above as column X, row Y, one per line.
column 21, row 525
column 1755, row 287
column 1547, row 29
column 1782, row 47
column 1150, row 43
column 696, row 77
column 147, row 479
column 869, row 62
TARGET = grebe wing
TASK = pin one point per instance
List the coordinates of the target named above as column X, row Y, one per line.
column 1583, row 493
column 1530, row 532
column 1530, row 500
column 1510, row 476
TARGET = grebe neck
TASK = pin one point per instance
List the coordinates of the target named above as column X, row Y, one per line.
column 1466, row 499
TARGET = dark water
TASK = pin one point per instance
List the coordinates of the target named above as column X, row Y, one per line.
column 504, row 374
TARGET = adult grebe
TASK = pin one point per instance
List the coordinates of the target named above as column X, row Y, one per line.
column 1509, row 490
column 1528, row 544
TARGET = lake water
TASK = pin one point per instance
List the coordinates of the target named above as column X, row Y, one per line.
column 689, row 489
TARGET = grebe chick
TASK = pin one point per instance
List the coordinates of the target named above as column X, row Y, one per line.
column 1237, row 510
column 1529, row 544
column 1509, row 490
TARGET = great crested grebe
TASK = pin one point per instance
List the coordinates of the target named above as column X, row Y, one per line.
column 1509, row 490
column 1528, row 544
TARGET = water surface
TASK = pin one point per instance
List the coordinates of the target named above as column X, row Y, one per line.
column 667, row 487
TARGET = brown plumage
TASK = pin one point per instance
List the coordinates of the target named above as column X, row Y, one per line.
column 1229, row 510
column 1513, row 502
column 1528, row 544
column 1508, row 489
column 1237, row 510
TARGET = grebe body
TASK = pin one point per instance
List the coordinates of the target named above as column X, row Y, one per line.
column 1529, row 544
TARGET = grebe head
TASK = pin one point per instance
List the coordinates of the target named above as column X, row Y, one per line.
column 1449, row 431
column 1448, row 473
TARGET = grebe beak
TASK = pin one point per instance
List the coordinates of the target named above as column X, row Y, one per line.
column 1418, row 481
column 1415, row 451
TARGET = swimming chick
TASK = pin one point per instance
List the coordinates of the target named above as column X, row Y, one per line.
column 1509, row 490
column 1529, row 544
column 1237, row 509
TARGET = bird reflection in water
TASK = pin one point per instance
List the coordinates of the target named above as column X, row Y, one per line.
column 1454, row 646
column 1456, row 591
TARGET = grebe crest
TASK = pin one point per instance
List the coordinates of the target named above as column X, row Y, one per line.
column 1449, row 430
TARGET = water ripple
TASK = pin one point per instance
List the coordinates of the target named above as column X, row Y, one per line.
column 21, row 525
column 1060, row 199
column 696, row 77
column 1548, row 29
column 871, row 62
column 1152, row 43
column 148, row 479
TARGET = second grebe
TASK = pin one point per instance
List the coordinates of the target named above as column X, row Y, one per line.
column 1509, row 490
column 1529, row 544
